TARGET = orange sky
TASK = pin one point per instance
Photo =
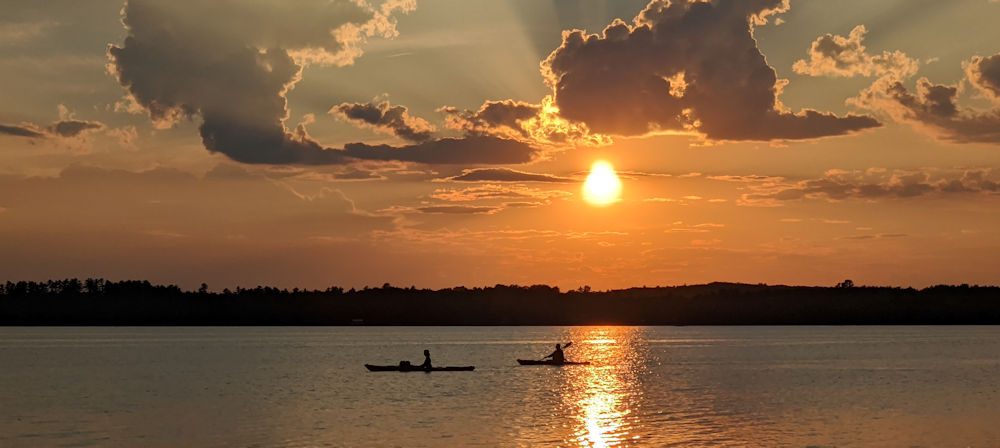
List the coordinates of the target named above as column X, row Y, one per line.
column 439, row 143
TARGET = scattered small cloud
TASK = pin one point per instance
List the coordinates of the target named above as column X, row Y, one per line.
column 22, row 130
column 504, row 175
column 382, row 116
column 872, row 185
column 68, row 126
column 680, row 227
column 494, row 191
column 752, row 178
column 839, row 56
column 934, row 108
column 471, row 150
column 73, row 128
column 523, row 204
column 539, row 124
column 458, row 209
column 875, row 236
column 126, row 135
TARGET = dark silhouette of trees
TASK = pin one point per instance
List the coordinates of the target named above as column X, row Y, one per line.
column 132, row 302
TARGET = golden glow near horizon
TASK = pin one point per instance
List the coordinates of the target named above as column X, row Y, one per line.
column 602, row 187
column 460, row 179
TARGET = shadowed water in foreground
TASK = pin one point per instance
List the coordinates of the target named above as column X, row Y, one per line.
column 648, row 386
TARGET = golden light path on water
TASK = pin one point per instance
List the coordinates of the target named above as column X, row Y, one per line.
column 603, row 395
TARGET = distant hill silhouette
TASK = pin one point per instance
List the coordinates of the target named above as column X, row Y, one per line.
column 101, row 302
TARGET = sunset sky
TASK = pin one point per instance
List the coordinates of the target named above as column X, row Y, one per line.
column 439, row 143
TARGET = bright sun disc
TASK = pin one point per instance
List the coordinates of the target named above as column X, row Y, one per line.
column 602, row 186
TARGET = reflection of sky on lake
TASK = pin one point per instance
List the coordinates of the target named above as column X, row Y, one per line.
column 647, row 386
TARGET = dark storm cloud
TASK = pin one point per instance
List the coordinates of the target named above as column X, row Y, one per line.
column 393, row 119
column 683, row 66
column 505, row 175
column 934, row 107
column 198, row 59
column 231, row 64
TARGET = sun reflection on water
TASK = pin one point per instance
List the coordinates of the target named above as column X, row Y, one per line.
column 604, row 396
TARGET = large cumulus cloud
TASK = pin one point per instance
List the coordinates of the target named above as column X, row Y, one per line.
column 687, row 66
column 231, row 63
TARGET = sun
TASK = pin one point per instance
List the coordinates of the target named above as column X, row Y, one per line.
column 602, row 186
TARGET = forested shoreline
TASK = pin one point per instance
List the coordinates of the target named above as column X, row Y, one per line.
column 102, row 302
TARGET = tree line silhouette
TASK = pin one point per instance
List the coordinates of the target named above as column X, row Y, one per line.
column 102, row 302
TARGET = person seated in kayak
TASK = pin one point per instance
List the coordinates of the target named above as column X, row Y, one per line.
column 427, row 360
column 557, row 356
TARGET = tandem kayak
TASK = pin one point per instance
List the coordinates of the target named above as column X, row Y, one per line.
column 398, row 368
column 532, row 362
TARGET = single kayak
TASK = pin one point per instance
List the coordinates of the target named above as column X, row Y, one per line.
column 398, row 368
column 533, row 362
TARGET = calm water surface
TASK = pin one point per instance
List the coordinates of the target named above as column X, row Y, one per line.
column 648, row 386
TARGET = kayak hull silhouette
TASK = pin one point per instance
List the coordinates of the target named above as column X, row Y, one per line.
column 533, row 362
column 398, row 368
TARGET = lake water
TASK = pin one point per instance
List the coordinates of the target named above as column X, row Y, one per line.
column 647, row 386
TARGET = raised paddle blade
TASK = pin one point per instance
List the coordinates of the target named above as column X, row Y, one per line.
column 568, row 344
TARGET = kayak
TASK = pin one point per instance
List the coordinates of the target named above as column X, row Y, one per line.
column 398, row 368
column 532, row 362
